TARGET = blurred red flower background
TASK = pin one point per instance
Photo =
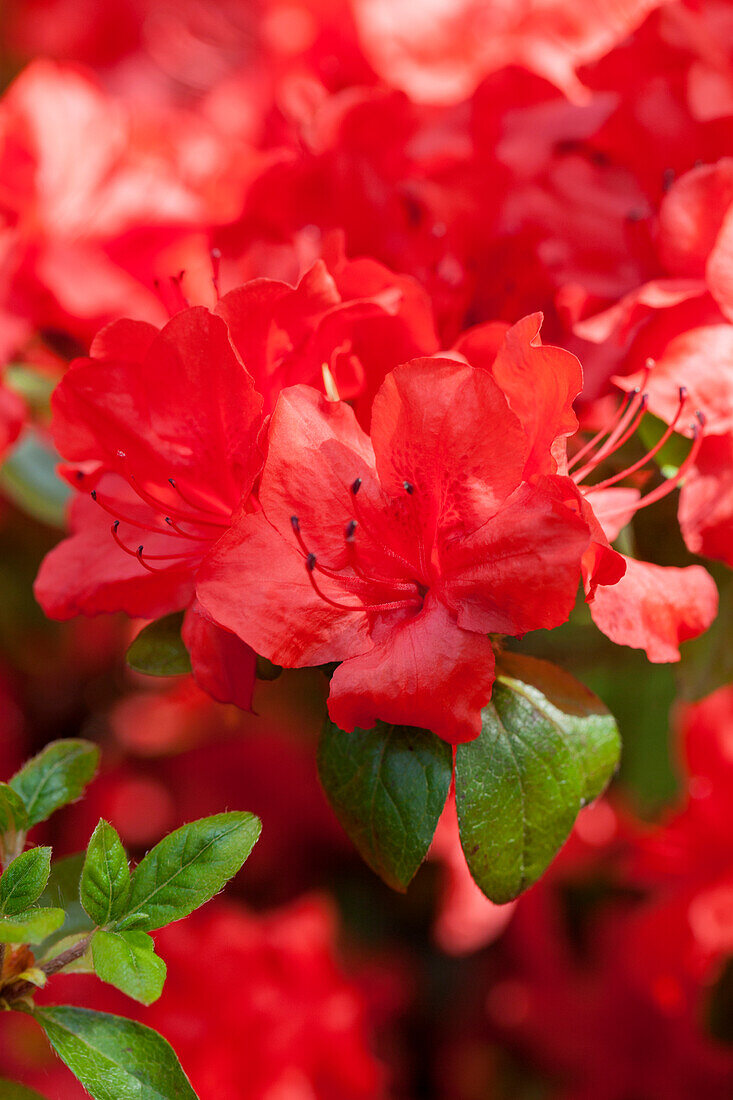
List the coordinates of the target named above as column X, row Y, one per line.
column 395, row 336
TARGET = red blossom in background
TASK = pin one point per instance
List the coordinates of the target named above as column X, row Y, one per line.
column 161, row 429
column 305, row 250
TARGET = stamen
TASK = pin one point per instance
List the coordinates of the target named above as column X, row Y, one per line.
column 221, row 511
column 370, row 533
column 621, row 411
column 149, row 557
column 185, row 534
column 673, row 482
column 125, row 519
column 356, row 486
column 394, row 605
column 632, row 415
column 620, row 429
column 649, row 455
column 409, row 489
column 388, row 582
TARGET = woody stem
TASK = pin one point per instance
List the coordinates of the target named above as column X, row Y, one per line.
column 21, row 989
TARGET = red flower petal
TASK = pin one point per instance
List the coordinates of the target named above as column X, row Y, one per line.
column 521, row 570
column 255, row 583
column 223, row 666
column 656, row 607
column 446, row 429
column 425, row 671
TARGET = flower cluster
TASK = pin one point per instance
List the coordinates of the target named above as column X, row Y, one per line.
column 390, row 346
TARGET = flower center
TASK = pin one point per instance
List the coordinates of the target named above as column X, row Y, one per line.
column 353, row 577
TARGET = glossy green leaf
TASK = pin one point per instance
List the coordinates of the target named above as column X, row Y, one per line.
column 128, row 961
column 56, row 776
column 388, row 787
column 11, row 1090
column 114, row 1058
column 13, row 817
column 31, row 926
column 105, row 880
column 189, row 867
column 28, row 477
column 547, row 747
column 24, row 880
column 158, row 649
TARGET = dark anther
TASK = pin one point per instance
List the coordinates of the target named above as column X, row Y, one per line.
column 408, row 487
column 171, row 481
column 295, row 523
column 701, row 417
column 94, row 494
column 350, row 530
column 683, row 393
column 115, row 525
column 356, row 486
column 169, row 521
column 140, row 551
column 310, row 562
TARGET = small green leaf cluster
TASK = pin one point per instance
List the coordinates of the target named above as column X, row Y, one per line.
column 92, row 912
column 547, row 747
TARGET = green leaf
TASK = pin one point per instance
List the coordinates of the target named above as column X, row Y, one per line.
column 576, row 711
column 547, row 747
column 56, row 776
column 114, row 1058
column 29, row 383
column 128, row 961
column 158, row 649
column 189, row 866
column 31, row 926
column 105, row 880
column 13, row 818
column 62, row 890
column 388, row 787
column 24, row 880
column 28, row 477
column 11, row 1090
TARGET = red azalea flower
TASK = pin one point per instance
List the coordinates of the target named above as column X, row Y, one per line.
column 162, row 430
column 342, row 328
column 681, row 324
column 100, row 197
column 634, row 603
column 440, row 53
column 397, row 555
